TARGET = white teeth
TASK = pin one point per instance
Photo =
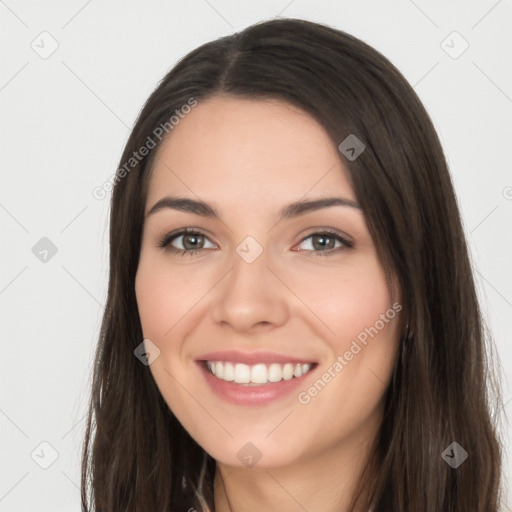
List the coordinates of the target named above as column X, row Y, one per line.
column 287, row 371
column 242, row 373
column 258, row 373
column 275, row 373
column 229, row 372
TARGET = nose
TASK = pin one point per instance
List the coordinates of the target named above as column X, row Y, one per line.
column 251, row 297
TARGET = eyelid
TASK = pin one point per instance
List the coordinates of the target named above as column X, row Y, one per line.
column 319, row 230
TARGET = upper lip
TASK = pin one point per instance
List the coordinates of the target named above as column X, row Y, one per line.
column 252, row 358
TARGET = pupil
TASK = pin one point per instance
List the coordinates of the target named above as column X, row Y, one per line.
column 187, row 238
column 322, row 244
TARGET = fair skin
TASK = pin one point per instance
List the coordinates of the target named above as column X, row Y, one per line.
column 249, row 159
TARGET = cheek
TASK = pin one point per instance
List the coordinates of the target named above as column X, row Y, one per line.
column 349, row 300
column 361, row 323
column 152, row 301
column 162, row 298
column 365, row 320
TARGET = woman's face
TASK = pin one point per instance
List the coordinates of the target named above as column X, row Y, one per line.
column 256, row 291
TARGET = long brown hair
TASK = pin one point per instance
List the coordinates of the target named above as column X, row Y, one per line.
column 138, row 457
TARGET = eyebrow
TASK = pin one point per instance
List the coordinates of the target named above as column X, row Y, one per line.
column 203, row 209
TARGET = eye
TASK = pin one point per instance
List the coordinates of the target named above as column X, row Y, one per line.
column 190, row 240
column 325, row 243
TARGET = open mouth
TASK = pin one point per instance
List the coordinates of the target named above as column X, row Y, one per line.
column 259, row 374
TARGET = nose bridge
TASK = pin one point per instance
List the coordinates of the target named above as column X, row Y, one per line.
column 250, row 294
column 249, row 265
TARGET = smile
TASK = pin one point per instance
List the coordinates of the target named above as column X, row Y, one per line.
column 257, row 374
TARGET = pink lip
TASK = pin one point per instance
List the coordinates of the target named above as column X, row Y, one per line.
column 251, row 358
column 240, row 394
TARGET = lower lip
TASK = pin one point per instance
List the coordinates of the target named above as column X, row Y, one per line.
column 263, row 394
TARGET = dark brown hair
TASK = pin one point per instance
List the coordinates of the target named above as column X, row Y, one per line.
column 138, row 457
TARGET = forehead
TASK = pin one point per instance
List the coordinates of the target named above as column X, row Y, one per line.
column 252, row 151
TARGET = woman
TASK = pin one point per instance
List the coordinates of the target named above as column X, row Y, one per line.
column 292, row 321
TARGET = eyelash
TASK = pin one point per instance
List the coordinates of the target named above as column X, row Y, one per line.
column 165, row 242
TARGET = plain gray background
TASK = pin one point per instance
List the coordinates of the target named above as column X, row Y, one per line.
column 65, row 120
